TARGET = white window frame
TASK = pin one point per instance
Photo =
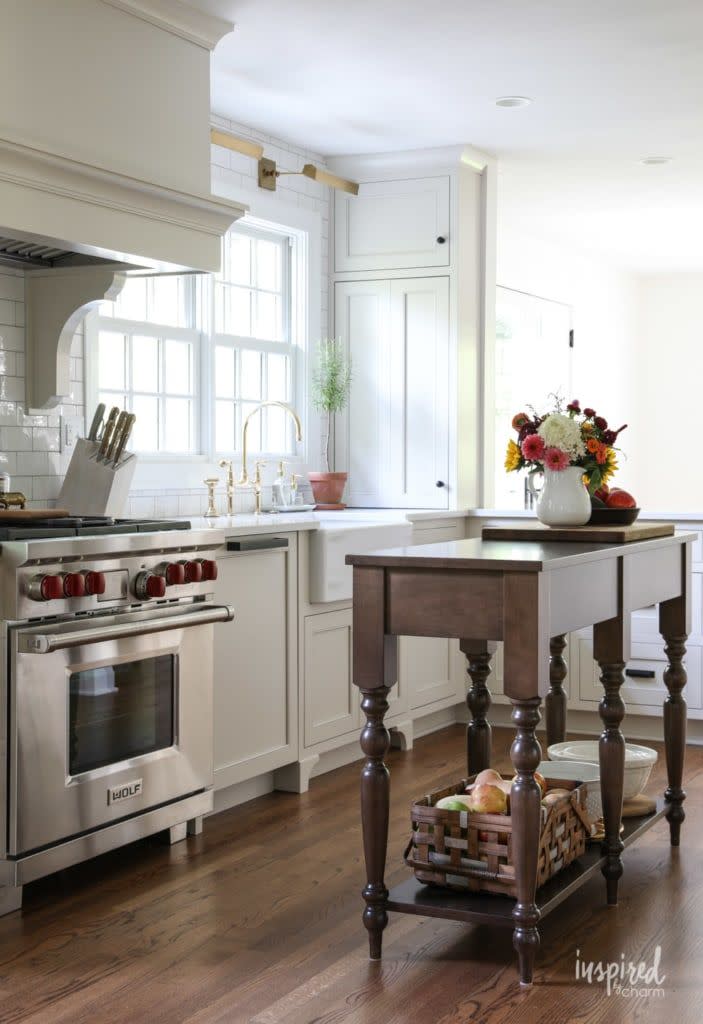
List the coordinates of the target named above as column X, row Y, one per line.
column 186, row 472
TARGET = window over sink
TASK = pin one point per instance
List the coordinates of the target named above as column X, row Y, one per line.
column 191, row 355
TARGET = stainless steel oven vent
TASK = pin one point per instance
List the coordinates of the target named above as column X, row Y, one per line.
column 21, row 253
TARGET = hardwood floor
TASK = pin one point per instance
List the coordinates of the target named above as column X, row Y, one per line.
column 259, row 920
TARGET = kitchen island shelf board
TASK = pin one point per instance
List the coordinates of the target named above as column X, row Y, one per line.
column 413, row 897
column 528, row 595
column 610, row 534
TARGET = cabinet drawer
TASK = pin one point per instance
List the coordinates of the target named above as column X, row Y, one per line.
column 644, row 678
column 393, row 225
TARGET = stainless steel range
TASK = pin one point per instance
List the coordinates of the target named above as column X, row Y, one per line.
column 107, row 680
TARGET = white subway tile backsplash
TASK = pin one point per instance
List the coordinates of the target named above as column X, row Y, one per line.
column 45, row 487
column 32, row 463
column 16, row 439
column 19, row 314
column 7, row 312
column 12, row 389
column 46, row 439
column 12, row 338
column 12, row 286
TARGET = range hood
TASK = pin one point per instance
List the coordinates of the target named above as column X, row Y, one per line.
column 107, row 174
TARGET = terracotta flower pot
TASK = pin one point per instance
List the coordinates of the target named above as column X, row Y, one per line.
column 328, row 488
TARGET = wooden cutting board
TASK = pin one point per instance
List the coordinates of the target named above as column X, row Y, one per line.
column 580, row 534
column 9, row 515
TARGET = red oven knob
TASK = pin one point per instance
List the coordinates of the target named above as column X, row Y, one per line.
column 193, row 571
column 209, row 567
column 148, row 585
column 73, row 584
column 46, row 588
column 94, row 582
column 173, row 573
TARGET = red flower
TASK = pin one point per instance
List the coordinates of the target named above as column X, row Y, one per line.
column 574, row 406
column 556, row 459
column 526, row 431
column 533, row 447
column 609, row 436
column 601, row 423
column 589, row 413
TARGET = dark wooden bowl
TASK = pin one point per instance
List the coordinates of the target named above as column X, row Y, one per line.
column 613, row 516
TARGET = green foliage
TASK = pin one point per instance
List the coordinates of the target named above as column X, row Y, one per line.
column 331, row 378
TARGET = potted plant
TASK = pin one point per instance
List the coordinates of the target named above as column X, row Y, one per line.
column 330, row 393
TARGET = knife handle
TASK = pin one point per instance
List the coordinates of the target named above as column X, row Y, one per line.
column 121, row 444
column 107, row 432
column 116, row 435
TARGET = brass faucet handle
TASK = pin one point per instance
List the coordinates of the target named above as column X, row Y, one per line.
column 257, row 465
column 211, row 483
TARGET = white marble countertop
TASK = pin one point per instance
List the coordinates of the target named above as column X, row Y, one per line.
column 276, row 522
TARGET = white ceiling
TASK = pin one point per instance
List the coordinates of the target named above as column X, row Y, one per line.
column 612, row 81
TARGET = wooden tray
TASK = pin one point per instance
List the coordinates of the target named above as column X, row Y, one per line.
column 10, row 515
column 580, row 534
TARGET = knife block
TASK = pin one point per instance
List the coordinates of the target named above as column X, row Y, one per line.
column 92, row 488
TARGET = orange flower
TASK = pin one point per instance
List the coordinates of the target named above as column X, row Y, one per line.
column 520, row 419
column 602, row 454
column 592, row 445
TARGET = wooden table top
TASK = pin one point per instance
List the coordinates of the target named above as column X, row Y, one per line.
column 507, row 556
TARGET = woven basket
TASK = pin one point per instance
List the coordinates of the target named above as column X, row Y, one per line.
column 473, row 852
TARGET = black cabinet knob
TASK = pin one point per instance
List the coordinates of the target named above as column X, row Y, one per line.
column 440, row 483
column 441, row 239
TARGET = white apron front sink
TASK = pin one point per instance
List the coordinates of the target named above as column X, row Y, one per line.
column 349, row 533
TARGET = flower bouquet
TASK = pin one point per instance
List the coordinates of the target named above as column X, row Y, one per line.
column 572, row 448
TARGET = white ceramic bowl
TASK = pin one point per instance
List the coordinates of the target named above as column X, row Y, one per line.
column 577, row 771
column 639, row 761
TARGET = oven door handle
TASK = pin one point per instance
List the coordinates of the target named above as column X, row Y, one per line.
column 47, row 643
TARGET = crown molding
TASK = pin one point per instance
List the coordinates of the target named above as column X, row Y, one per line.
column 440, row 160
column 179, row 18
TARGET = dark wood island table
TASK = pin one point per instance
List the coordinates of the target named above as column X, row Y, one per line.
column 527, row 594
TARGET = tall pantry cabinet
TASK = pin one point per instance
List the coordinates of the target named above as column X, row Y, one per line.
column 413, row 281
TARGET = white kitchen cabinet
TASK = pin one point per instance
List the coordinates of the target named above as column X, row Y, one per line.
column 643, row 690
column 393, row 225
column 394, row 442
column 331, row 701
column 256, row 679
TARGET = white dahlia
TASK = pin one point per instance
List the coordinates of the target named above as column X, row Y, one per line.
column 563, row 432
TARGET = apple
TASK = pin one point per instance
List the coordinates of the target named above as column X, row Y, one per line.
column 489, row 776
column 452, row 803
column 602, row 493
column 487, row 799
column 620, row 499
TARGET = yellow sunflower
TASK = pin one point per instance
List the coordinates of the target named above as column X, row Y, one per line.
column 512, row 457
column 610, row 466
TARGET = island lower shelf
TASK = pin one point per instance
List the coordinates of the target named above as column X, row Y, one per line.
column 413, row 897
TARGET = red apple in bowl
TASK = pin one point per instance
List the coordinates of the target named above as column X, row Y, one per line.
column 620, row 499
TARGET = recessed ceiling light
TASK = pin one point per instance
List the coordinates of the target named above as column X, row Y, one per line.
column 513, row 101
column 655, row 161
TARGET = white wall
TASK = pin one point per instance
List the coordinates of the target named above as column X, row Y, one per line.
column 604, row 300
column 668, row 372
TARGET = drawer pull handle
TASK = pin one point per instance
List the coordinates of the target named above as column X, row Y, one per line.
column 640, row 673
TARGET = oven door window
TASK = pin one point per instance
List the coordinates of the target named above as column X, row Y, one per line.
column 121, row 711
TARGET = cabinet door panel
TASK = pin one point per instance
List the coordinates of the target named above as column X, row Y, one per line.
column 426, row 669
column 255, row 728
column 362, row 435
column 420, row 391
column 393, row 225
column 331, row 699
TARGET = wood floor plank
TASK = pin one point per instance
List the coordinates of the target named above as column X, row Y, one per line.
column 258, row 921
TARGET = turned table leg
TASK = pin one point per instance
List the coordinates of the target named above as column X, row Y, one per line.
column 608, row 646
column 555, row 703
column 673, row 626
column 478, row 731
column 375, row 793
column 525, row 811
